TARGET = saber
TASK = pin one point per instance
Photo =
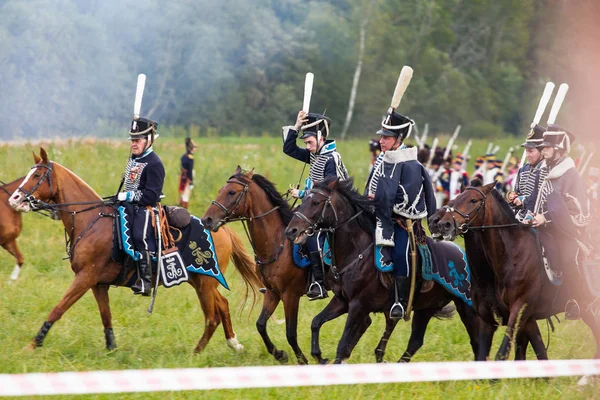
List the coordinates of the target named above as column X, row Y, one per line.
column 558, row 100
column 159, row 263
column 308, row 87
column 413, row 264
column 403, row 80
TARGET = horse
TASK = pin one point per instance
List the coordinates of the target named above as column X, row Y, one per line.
column 359, row 289
column 10, row 226
column 88, row 223
column 252, row 198
column 514, row 286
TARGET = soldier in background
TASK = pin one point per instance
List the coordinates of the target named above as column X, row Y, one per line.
column 459, row 179
column 186, row 178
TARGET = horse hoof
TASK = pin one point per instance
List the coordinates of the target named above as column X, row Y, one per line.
column 15, row 273
column 585, row 380
column 234, row 344
column 281, row 356
column 324, row 361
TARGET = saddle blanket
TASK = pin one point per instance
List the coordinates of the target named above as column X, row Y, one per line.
column 301, row 258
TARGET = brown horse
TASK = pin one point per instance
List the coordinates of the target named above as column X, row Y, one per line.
column 10, row 226
column 358, row 286
column 252, row 198
column 88, row 223
column 516, row 288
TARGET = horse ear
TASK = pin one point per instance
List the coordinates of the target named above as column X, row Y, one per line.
column 44, row 155
column 238, row 170
column 333, row 184
column 251, row 173
column 36, row 159
column 488, row 188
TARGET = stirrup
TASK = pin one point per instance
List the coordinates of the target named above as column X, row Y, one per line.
column 397, row 307
column 319, row 294
column 572, row 310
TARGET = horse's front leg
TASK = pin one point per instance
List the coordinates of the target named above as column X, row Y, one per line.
column 419, row 324
column 79, row 286
column 270, row 303
column 531, row 332
column 469, row 320
column 486, row 334
column 390, row 325
column 291, row 303
column 504, row 349
column 336, row 307
column 357, row 323
column 101, row 295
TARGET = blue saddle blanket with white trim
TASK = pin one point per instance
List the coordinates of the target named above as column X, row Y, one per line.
column 301, row 258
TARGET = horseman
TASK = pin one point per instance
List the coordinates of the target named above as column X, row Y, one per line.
column 530, row 176
column 186, row 179
column 143, row 185
column 562, row 210
column 324, row 160
column 403, row 191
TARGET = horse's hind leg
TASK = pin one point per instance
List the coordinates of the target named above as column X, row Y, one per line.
column 208, row 299
column 486, row 334
column 390, row 325
column 530, row 333
column 101, row 295
column 270, row 303
column 334, row 309
column 419, row 324
column 511, row 326
column 13, row 249
column 357, row 323
column 223, row 310
column 78, row 287
column 291, row 303
column 469, row 320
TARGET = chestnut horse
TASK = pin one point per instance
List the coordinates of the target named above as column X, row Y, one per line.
column 516, row 287
column 335, row 206
column 10, row 225
column 88, row 222
column 252, row 198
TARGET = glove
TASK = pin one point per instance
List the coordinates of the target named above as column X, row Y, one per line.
column 123, row 196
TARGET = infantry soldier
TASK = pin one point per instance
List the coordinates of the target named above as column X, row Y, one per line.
column 562, row 210
column 459, row 179
column 324, row 160
column 530, row 176
column 403, row 190
column 186, row 179
column 143, row 184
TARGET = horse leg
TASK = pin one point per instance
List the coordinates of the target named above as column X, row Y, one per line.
column 469, row 320
column 532, row 334
column 521, row 343
column 223, row 310
column 590, row 317
column 291, row 303
column 390, row 325
column 334, row 309
column 270, row 303
column 419, row 324
column 357, row 323
column 486, row 334
column 212, row 319
column 11, row 247
column 101, row 295
column 515, row 310
column 78, row 287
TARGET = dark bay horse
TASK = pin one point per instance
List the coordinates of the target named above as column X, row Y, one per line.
column 358, row 286
column 516, row 288
column 252, row 198
column 10, row 226
column 82, row 212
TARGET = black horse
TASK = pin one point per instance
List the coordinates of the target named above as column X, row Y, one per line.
column 358, row 287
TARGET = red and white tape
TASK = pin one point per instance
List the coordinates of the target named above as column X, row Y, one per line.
column 154, row 380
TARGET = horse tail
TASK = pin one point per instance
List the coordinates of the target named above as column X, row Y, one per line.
column 245, row 265
column 446, row 312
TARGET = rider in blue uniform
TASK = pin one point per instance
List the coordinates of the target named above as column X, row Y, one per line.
column 324, row 160
column 142, row 190
column 403, row 190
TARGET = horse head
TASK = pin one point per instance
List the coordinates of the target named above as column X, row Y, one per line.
column 464, row 212
column 37, row 187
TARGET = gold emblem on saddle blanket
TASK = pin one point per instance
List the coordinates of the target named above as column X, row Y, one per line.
column 202, row 257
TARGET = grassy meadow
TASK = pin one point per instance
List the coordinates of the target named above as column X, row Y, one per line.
column 167, row 338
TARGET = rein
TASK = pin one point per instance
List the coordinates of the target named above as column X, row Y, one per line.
column 466, row 226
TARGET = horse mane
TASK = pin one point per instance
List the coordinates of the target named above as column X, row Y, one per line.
column 504, row 206
column 347, row 190
column 273, row 195
column 76, row 178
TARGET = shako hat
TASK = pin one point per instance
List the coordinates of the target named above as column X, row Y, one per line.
column 143, row 127
column 459, row 159
column 535, row 136
column 395, row 124
column 557, row 137
column 317, row 125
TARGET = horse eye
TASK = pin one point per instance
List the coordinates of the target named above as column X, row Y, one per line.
column 37, row 175
column 474, row 201
column 231, row 192
column 316, row 202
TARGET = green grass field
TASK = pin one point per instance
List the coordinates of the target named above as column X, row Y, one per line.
column 166, row 339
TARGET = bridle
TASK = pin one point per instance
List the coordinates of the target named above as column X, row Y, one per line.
column 34, row 203
column 469, row 217
column 229, row 211
column 313, row 226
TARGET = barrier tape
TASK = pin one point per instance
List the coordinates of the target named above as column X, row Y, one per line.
column 153, row 380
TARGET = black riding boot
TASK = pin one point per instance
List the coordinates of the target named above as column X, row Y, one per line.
column 143, row 285
column 401, row 293
column 317, row 287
